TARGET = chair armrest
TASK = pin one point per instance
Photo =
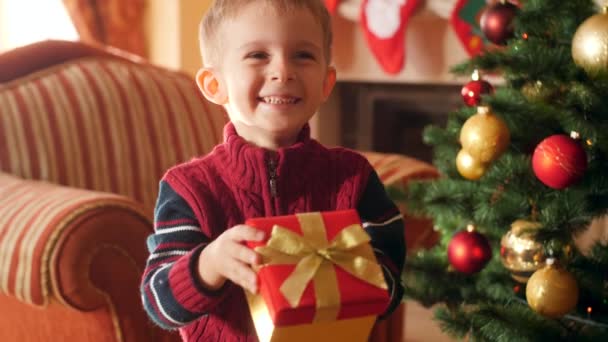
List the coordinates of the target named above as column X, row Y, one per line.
column 76, row 246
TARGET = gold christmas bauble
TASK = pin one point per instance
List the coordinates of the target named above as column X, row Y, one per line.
column 590, row 45
column 519, row 252
column 552, row 291
column 485, row 136
column 469, row 167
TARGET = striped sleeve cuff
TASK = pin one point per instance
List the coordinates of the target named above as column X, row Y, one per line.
column 161, row 305
column 187, row 287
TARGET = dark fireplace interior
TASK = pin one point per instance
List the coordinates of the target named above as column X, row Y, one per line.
column 390, row 118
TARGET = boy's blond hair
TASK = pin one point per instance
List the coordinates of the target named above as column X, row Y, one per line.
column 222, row 10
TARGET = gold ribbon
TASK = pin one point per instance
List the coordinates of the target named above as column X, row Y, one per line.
column 315, row 258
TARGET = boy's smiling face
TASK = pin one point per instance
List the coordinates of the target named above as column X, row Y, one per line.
column 272, row 72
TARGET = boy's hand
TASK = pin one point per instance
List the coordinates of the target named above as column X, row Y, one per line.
column 228, row 258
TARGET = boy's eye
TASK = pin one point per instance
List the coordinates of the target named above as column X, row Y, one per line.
column 305, row 55
column 257, row 55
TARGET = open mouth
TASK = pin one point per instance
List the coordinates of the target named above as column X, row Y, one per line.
column 279, row 100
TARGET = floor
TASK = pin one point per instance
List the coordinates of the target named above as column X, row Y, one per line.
column 420, row 326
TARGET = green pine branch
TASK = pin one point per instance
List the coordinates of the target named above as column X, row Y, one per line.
column 544, row 94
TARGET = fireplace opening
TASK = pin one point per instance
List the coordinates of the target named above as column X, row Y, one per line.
column 391, row 117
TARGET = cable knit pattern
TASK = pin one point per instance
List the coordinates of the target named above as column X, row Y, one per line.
column 232, row 184
column 306, row 171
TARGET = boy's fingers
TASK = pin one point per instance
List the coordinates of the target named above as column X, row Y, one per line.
column 244, row 254
column 242, row 275
column 246, row 233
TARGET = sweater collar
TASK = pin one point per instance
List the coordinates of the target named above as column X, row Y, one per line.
column 231, row 137
column 247, row 165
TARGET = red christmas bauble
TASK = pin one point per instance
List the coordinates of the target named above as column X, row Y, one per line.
column 472, row 91
column 497, row 22
column 559, row 161
column 469, row 252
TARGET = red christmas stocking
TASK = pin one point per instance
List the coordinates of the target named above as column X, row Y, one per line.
column 465, row 21
column 332, row 5
column 384, row 23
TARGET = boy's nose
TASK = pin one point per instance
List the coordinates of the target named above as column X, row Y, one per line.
column 282, row 72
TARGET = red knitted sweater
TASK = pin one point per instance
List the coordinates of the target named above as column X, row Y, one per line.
column 202, row 198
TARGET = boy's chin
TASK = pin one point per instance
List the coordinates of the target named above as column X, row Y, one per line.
column 290, row 132
column 271, row 128
column 282, row 131
column 277, row 124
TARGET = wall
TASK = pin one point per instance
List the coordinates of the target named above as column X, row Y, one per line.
column 172, row 29
column 19, row 25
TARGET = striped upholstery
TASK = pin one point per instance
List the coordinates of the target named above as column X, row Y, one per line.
column 105, row 125
column 396, row 170
column 37, row 214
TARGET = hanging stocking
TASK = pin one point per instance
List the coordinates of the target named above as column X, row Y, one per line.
column 465, row 21
column 332, row 5
column 384, row 23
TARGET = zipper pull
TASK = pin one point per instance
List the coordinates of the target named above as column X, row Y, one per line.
column 272, row 170
column 273, row 187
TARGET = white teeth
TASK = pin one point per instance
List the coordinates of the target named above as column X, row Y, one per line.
column 279, row 100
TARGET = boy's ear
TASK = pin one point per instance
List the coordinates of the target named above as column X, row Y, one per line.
column 330, row 82
column 209, row 84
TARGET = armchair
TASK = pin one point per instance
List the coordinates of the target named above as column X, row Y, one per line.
column 85, row 135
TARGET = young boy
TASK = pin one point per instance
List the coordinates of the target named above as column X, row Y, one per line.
column 267, row 64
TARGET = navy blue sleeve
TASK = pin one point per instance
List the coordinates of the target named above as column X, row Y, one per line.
column 172, row 294
column 383, row 221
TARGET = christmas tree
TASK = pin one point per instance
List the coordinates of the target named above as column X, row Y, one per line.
column 524, row 167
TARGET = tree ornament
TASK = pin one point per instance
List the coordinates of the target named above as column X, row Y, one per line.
column 589, row 45
column 519, row 252
column 559, row 161
column 516, row 288
column 552, row 291
column 469, row 167
column 472, row 91
column 484, row 135
column 469, row 251
column 497, row 22
column 537, row 91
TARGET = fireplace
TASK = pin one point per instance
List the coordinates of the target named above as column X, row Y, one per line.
column 386, row 117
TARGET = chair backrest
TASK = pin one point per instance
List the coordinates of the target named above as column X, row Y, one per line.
column 99, row 120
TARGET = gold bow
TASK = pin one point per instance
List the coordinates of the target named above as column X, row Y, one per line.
column 315, row 258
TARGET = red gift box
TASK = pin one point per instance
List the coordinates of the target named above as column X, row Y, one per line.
column 347, row 284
